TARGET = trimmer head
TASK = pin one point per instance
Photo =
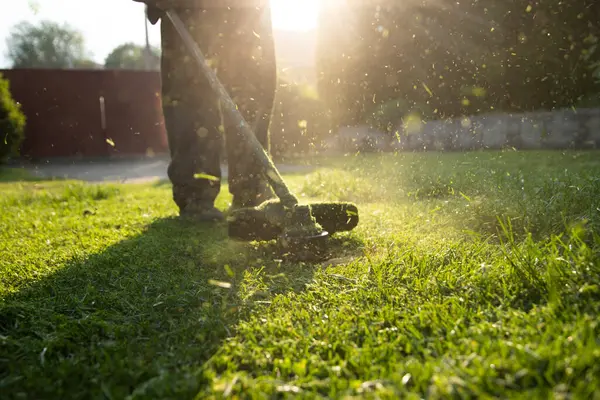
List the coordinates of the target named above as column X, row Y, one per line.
column 272, row 221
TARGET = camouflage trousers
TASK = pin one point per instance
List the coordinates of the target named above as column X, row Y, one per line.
column 238, row 43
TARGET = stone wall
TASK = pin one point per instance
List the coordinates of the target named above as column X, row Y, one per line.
column 562, row 129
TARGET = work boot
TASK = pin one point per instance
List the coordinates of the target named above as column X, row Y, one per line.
column 201, row 212
column 253, row 197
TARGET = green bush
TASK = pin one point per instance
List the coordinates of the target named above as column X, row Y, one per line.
column 12, row 123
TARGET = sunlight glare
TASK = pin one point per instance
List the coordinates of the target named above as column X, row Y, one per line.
column 295, row 15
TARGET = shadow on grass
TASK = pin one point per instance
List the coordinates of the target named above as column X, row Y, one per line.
column 138, row 319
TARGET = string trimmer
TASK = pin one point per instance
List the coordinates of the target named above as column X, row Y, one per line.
column 293, row 225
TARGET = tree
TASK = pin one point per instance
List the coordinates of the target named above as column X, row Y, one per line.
column 12, row 123
column 456, row 58
column 88, row 64
column 47, row 45
column 132, row 56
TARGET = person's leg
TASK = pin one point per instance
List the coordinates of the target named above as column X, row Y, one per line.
column 192, row 121
column 250, row 76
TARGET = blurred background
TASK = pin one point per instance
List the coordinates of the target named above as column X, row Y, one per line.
column 353, row 76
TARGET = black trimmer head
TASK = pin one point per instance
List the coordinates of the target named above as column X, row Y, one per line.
column 272, row 221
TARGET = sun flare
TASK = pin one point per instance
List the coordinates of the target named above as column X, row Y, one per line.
column 295, row 15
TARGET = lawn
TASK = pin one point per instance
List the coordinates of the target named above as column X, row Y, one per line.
column 469, row 275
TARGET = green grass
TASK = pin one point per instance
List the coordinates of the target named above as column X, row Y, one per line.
column 13, row 174
column 469, row 275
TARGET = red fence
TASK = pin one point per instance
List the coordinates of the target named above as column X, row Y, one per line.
column 65, row 118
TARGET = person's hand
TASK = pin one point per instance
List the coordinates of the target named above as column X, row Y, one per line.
column 153, row 10
column 154, row 14
column 167, row 4
column 148, row 2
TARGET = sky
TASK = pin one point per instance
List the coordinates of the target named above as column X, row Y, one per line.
column 106, row 24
